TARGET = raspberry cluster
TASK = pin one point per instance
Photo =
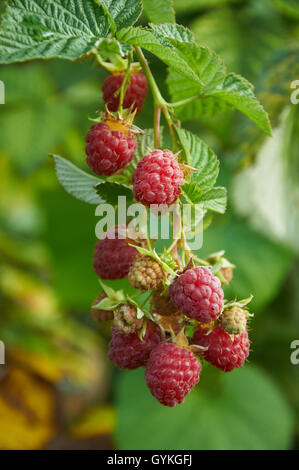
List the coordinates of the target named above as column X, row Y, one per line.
column 183, row 319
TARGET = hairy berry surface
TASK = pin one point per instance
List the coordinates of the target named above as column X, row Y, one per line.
column 225, row 352
column 127, row 350
column 197, row 293
column 157, row 178
column 145, row 273
column 109, row 150
column 112, row 258
column 171, row 373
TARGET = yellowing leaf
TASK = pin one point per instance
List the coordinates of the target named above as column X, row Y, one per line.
column 98, row 420
column 27, row 409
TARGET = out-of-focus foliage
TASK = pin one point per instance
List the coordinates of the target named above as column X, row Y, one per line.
column 56, row 384
column 227, row 411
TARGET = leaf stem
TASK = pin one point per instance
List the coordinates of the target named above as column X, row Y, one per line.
column 123, row 88
column 158, row 98
column 159, row 101
column 171, row 127
column 157, row 117
column 186, row 101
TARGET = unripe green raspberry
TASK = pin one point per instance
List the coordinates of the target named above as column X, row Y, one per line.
column 125, row 319
column 234, row 320
column 145, row 273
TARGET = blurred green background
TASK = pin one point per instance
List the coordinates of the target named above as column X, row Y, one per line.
column 58, row 389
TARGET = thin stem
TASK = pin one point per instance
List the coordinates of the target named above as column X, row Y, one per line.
column 171, row 247
column 146, row 299
column 171, row 127
column 186, row 101
column 124, row 85
column 176, row 256
column 158, row 99
column 157, row 117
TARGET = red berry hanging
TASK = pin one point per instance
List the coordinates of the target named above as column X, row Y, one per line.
column 157, row 178
column 135, row 92
column 128, row 351
column 197, row 293
column 224, row 351
column 171, row 373
column 112, row 258
column 110, row 146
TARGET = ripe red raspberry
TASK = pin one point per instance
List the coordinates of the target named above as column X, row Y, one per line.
column 135, row 92
column 101, row 315
column 157, row 178
column 223, row 351
column 127, row 351
column 110, row 146
column 112, row 258
column 171, row 373
column 197, row 294
column 145, row 273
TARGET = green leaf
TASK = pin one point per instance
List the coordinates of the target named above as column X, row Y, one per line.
column 225, row 411
column 106, row 304
column 235, row 91
column 76, row 182
column 238, row 92
column 173, row 31
column 109, row 192
column 200, row 156
column 42, row 126
column 289, row 7
column 261, row 265
column 270, row 203
column 159, row 11
column 123, row 13
column 109, row 49
column 199, row 64
column 111, row 293
column 214, row 199
column 184, row 6
column 35, row 29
